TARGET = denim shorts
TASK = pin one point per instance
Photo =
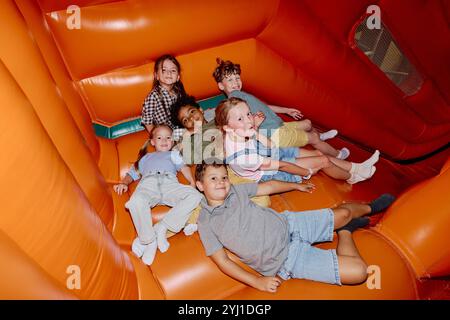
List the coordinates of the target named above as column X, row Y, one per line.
column 280, row 176
column 305, row 261
column 283, row 154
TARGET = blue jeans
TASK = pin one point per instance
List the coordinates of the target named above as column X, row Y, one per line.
column 305, row 261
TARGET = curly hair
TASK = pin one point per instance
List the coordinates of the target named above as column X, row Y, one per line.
column 224, row 69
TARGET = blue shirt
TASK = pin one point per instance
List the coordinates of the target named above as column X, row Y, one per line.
column 163, row 161
column 271, row 122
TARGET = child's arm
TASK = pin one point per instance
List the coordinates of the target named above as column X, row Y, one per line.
column 232, row 269
column 270, row 187
column 294, row 113
column 123, row 185
column 270, row 165
column 186, row 171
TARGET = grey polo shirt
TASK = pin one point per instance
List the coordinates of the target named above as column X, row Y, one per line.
column 258, row 236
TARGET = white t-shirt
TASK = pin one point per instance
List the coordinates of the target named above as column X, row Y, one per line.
column 245, row 164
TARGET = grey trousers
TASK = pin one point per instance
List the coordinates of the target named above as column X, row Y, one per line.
column 161, row 188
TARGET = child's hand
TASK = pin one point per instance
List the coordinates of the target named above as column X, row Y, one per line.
column 294, row 113
column 120, row 188
column 258, row 118
column 306, row 187
column 269, row 284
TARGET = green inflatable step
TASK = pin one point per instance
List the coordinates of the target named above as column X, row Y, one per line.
column 134, row 125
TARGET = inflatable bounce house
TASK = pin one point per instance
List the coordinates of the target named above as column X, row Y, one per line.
column 74, row 75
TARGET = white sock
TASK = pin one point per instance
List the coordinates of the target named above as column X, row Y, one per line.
column 190, row 229
column 328, row 135
column 372, row 160
column 161, row 230
column 361, row 170
column 364, row 168
column 343, row 154
column 355, row 177
column 138, row 248
column 149, row 253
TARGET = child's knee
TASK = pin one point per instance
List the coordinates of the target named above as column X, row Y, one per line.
column 307, row 124
column 313, row 137
column 325, row 161
column 318, row 153
column 139, row 199
column 360, row 272
column 355, row 271
column 133, row 202
column 343, row 214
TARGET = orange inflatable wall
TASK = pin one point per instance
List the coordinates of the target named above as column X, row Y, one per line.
column 58, row 207
column 322, row 74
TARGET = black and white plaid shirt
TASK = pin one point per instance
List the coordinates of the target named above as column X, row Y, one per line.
column 156, row 110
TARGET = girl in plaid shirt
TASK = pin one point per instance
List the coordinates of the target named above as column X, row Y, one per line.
column 167, row 89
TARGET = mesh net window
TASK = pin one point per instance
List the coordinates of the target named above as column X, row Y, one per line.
column 379, row 46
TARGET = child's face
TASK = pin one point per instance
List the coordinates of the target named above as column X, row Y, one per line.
column 240, row 121
column 167, row 73
column 162, row 139
column 230, row 83
column 215, row 184
column 188, row 115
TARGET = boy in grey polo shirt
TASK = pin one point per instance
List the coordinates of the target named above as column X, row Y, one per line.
column 278, row 246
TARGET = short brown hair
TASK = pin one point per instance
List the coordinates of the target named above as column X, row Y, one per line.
column 223, row 109
column 201, row 168
column 224, row 69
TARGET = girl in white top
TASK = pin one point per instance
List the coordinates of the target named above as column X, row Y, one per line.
column 246, row 157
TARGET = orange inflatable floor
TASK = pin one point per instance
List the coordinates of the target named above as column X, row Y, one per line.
column 67, row 67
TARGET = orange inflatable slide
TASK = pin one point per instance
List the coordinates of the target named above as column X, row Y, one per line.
column 74, row 74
